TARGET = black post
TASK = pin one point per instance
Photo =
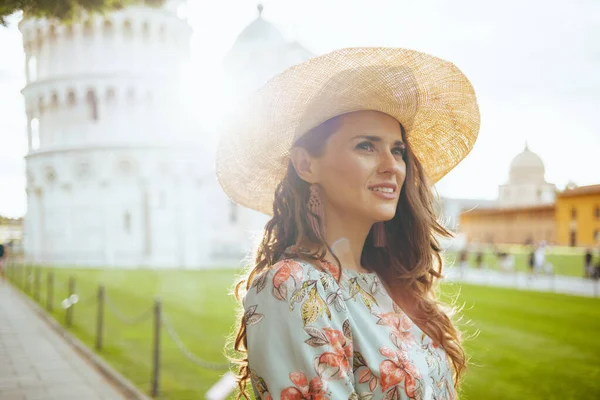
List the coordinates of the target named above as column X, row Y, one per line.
column 27, row 287
column 100, row 318
column 49, row 291
column 156, row 353
column 36, row 284
column 70, row 308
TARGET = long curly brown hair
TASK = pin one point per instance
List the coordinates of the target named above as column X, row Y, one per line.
column 410, row 264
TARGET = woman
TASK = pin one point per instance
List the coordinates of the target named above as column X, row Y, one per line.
column 341, row 150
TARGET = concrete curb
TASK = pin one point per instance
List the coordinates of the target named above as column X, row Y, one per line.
column 125, row 386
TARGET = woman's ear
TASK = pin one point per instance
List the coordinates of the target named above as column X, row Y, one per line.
column 304, row 164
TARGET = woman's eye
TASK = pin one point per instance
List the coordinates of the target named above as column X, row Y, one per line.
column 364, row 146
column 400, row 151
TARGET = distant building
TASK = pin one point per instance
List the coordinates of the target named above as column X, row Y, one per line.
column 452, row 208
column 530, row 210
column 112, row 178
column 578, row 216
column 526, row 184
column 259, row 52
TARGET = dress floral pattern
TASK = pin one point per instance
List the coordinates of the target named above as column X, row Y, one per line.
column 312, row 338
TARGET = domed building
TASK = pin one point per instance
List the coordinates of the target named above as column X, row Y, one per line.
column 526, row 183
column 259, row 52
column 530, row 210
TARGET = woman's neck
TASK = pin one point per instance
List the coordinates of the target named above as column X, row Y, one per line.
column 346, row 238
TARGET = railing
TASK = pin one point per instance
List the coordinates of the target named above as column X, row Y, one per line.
column 29, row 280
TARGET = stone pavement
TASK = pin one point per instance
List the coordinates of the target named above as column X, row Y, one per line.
column 524, row 281
column 37, row 363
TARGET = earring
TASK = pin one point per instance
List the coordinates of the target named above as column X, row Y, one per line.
column 379, row 236
column 315, row 206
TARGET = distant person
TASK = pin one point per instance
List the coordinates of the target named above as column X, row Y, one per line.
column 531, row 260
column 506, row 261
column 463, row 261
column 3, row 254
column 540, row 257
column 479, row 259
column 588, row 266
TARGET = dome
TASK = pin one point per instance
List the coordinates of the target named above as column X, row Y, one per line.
column 261, row 30
column 527, row 167
column 259, row 52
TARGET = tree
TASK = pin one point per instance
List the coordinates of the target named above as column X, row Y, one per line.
column 64, row 10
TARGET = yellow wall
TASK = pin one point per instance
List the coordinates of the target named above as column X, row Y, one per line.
column 586, row 222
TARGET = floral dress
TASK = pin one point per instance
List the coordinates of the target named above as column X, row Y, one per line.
column 312, row 338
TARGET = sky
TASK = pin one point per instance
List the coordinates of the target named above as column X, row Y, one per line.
column 534, row 66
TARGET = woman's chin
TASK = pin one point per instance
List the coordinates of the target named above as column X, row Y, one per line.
column 383, row 215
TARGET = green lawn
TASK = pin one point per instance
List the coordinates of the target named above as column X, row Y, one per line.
column 529, row 345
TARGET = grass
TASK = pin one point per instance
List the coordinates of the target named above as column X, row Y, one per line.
column 529, row 346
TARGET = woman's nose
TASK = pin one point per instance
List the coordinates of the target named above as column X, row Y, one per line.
column 389, row 163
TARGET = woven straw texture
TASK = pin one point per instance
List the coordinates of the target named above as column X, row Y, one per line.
column 431, row 97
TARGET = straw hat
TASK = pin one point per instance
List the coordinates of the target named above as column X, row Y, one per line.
column 432, row 99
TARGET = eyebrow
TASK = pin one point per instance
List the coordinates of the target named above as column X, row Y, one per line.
column 376, row 139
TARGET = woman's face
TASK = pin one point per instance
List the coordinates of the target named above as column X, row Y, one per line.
column 362, row 169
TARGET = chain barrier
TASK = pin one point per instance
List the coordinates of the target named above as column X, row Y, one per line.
column 187, row 353
column 125, row 319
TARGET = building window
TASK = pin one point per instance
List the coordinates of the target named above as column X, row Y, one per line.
column 54, row 101
column 146, row 31
column 233, row 213
column 597, row 235
column 92, row 104
column 50, row 175
column 41, row 105
column 162, row 33
column 71, row 99
column 573, row 213
column 52, row 34
column 107, row 28
column 131, row 95
column 128, row 30
column 83, row 171
column 110, row 96
column 597, row 212
column 127, row 222
column 87, row 28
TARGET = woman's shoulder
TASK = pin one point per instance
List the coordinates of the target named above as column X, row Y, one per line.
column 290, row 275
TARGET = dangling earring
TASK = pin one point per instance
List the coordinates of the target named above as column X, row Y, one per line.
column 379, row 237
column 315, row 206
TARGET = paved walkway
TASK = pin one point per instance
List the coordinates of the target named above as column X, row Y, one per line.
column 36, row 363
column 521, row 280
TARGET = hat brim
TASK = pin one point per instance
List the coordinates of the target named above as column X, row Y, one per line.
column 431, row 97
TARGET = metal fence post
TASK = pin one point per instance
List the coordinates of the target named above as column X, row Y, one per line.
column 49, row 291
column 69, row 313
column 156, row 350
column 27, row 283
column 100, row 318
column 36, row 284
